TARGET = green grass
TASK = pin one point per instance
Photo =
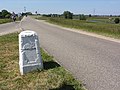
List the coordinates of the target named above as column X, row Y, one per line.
column 5, row 21
column 2, row 21
column 103, row 26
column 103, row 20
column 53, row 77
column 106, row 29
column 41, row 18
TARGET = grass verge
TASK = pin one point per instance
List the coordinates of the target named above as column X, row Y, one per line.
column 101, row 28
column 5, row 21
column 53, row 77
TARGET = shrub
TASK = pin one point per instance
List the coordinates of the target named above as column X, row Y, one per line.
column 90, row 15
column 117, row 20
column 68, row 15
column 82, row 17
column 5, row 14
column 8, row 16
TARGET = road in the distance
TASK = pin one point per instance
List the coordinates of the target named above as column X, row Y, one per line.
column 94, row 61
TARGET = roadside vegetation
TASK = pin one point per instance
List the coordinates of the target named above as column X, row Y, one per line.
column 107, row 29
column 103, row 25
column 53, row 77
column 6, row 16
column 5, row 21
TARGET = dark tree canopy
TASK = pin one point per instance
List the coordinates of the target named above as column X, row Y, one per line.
column 5, row 14
column 117, row 20
column 90, row 15
column 68, row 15
column 82, row 17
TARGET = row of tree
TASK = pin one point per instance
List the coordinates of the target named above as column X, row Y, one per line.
column 67, row 15
column 7, row 14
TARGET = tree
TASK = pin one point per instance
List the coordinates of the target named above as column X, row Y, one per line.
column 8, row 16
column 68, row 15
column 117, row 20
column 5, row 14
column 0, row 14
column 82, row 17
column 36, row 12
column 29, row 13
column 90, row 15
column 110, row 15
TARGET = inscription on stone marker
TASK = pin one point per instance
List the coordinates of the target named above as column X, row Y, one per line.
column 29, row 52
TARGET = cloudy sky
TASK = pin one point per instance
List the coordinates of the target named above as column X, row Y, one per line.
column 104, row 7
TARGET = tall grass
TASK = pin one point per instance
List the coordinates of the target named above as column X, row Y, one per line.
column 5, row 21
column 108, row 29
column 53, row 77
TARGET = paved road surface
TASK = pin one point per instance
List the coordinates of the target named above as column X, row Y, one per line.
column 94, row 61
column 9, row 27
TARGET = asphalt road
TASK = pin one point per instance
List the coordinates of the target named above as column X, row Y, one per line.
column 94, row 61
column 9, row 27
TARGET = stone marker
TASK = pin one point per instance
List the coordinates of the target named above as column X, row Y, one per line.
column 29, row 52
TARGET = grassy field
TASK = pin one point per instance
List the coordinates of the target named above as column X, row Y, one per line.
column 5, row 21
column 2, row 21
column 53, row 77
column 102, row 26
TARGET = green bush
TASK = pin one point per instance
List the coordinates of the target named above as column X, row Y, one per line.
column 117, row 20
column 7, row 16
column 82, row 17
column 68, row 15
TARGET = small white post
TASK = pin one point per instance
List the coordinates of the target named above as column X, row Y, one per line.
column 29, row 52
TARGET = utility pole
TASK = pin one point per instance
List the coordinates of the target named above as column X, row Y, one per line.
column 24, row 9
column 94, row 11
column 38, row 11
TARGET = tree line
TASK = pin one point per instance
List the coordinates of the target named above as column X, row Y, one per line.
column 7, row 14
column 70, row 15
column 66, row 15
